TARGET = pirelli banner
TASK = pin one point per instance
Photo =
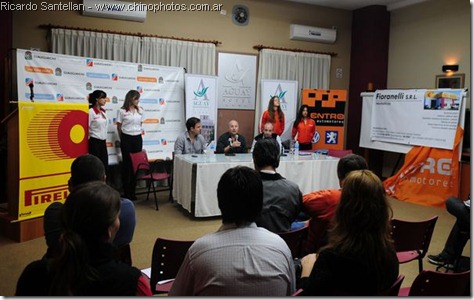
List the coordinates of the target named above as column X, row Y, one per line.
column 51, row 136
column 327, row 109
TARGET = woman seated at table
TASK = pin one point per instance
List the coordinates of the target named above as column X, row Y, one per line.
column 360, row 259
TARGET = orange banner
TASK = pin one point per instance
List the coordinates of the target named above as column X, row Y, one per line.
column 51, row 136
column 428, row 176
column 327, row 109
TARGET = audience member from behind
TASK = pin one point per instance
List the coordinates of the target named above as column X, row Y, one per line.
column 304, row 127
column 274, row 114
column 281, row 197
column 98, row 126
column 231, row 141
column 321, row 205
column 87, row 168
column 267, row 134
column 85, row 264
column 240, row 259
column 360, row 259
column 457, row 238
column 191, row 141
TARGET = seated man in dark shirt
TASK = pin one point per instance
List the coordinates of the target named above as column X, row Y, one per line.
column 86, row 168
column 231, row 141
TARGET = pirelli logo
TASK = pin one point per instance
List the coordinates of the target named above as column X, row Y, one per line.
column 46, row 195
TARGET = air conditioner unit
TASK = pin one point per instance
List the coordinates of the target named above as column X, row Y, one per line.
column 131, row 11
column 312, row 34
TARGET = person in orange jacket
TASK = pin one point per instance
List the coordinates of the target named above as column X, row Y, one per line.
column 274, row 115
column 304, row 127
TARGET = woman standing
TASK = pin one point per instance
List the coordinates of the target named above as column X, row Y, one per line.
column 360, row 259
column 274, row 115
column 129, row 127
column 85, row 265
column 305, row 127
column 98, row 126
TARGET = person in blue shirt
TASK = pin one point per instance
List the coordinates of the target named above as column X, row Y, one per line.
column 87, row 168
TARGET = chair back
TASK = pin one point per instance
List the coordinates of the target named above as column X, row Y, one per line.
column 413, row 236
column 139, row 161
column 295, row 240
column 339, row 153
column 167, row 257
column 395, row 288
column 431, row 283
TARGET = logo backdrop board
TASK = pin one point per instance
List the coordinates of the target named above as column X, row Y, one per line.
column 70, row 79
column 51, row 136
column 287, row 91
column 201, row 102
column 237, row 81
column 327, row 109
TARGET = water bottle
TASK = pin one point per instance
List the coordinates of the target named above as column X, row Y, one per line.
column 297, row 148
column 212, row 148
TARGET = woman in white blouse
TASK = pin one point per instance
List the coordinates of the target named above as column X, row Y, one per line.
column 129, row 126
column 98, row 126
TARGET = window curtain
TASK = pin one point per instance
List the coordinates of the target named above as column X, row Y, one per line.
column 96, row 44
column 310, row 70
column 196, row 58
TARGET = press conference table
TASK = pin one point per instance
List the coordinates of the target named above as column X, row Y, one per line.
column 195, row 178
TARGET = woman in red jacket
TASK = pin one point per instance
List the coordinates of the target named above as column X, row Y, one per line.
column 305, row 127
column 274, row 115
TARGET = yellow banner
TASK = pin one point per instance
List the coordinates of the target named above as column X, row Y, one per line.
column 51, row 136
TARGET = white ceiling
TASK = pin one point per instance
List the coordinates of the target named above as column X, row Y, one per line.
column 356, row 4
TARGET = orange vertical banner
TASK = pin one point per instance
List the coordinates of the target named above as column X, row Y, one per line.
column 327, row 109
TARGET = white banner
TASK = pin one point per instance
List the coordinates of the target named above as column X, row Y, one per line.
column 287, row 91
column 417, row 117
column 63, row 78
column 237, row 81
column 201, row 102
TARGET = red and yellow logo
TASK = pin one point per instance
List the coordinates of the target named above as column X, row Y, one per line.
column 58, row 134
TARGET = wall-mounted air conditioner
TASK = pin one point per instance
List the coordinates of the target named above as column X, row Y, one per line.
column 131, row 11
column 312, row 34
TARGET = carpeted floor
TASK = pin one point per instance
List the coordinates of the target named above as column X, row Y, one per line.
column 171, row 221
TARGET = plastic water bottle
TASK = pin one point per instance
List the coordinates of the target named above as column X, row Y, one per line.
column 297, row 148
column 212, row 148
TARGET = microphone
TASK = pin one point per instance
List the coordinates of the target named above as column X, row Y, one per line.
column 230, row 141
column 32, row 94
column 236, row 137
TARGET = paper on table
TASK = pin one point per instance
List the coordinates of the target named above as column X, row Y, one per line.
column 165, row 281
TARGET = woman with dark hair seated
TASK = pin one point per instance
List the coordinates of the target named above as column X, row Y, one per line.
column 85, row 265
column 360, row 259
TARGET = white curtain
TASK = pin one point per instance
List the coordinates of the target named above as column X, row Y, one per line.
column 196, row 58
column 96, row 44
column 310, row 70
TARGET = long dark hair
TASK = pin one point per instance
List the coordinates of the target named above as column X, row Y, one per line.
column 97, row 94
column 128, row 102
column 362, row 221
column 271, row 112
column 89, row 211
column 299, row 116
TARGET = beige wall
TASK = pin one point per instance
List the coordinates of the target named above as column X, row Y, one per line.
column 425, row 37
column 269, row 25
